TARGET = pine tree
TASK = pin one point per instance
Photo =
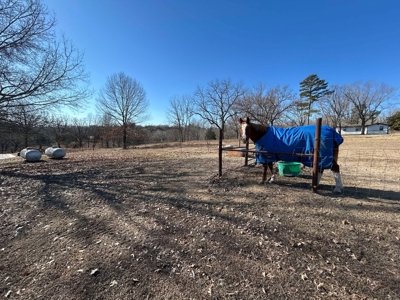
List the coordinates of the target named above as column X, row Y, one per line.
column 394, row 121
column 312, row 89
column 210, row 134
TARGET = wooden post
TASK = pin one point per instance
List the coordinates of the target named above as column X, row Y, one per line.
column 220, row 154
column 246, row 155
column 317, row 146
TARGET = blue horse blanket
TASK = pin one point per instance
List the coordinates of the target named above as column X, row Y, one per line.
column 282, row 142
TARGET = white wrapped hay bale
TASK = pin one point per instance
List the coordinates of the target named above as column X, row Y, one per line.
column 55, row 152
column 31, row 154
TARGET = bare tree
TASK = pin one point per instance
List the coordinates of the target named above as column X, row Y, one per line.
column 36, row 68
column 104, row 125
column 195, row 129
column 28, row 124
column 233, row 127
column 58, row 127
column 80, row 130
column 10, row 139
column 124, row 101
column 369, row 99
column 267, row 106
column 180, row 113
column 296, row 116
column 216, row 102
column 336, row 107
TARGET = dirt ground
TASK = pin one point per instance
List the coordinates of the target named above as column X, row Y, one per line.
column 158, row 223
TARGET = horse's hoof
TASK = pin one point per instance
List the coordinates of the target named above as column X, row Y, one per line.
column 337, row 191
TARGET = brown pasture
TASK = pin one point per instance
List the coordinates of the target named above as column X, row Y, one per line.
column 156, row 222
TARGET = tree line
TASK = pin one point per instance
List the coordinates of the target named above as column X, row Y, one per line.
column 222, row 102
column 43, row 130
column 40, row 71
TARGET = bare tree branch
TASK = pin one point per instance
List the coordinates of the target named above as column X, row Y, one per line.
column 369, row 99
column 180, row 113
column 336, row 107
column 124, row 101
column 216, row 102
column 267, row 106
column 36, row 69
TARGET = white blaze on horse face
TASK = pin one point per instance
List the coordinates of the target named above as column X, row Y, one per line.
column 244, row 125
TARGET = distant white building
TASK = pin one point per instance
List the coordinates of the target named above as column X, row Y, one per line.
column 378, row 128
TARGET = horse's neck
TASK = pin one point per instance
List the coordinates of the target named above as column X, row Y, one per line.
column 257, row 132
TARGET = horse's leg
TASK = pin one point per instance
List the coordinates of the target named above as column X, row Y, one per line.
column 268, row 166
column 320, row 172
column 338, row 178
column 271, row 170
column 336, row 173
column 264, row 174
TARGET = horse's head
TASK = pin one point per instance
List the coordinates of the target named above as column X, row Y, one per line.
column 243, row 129
column 249, row 130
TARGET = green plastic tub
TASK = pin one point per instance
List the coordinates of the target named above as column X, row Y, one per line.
column 289, row 169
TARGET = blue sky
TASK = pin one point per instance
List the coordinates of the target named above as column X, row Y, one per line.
column 172, row 46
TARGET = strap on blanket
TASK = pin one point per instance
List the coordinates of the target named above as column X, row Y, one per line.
column 275, row 154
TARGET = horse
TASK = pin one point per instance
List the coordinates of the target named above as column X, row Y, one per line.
column 280, row 143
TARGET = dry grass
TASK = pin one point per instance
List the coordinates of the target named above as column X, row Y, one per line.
column 157, row 223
